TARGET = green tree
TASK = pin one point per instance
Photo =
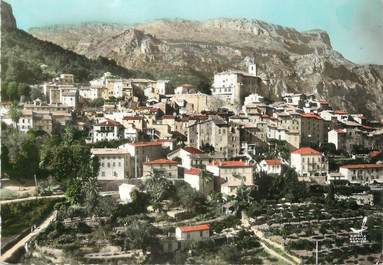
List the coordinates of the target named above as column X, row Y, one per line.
column 6, row 166
column 23, row 90
column 36, row 93
column 265, row 185
column 4, row 88
column 204, row 87
column 99, row 102
column 159, row 188
column 140, row 235
column 328, row 148
column 15, row 112
column 12, row 92
column 71, row 162
column 207, row 148
column 245, row 196
column 26, row 163
column 190, row 198
column 247, row 240
column 230, row 254
column 330, row 198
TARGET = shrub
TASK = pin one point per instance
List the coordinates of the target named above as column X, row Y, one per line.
column 301, row 244
column 230, row 254
column 83, row 228
column 247, row 240
column 228, row 222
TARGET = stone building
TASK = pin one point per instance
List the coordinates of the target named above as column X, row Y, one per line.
column 234, row 86
column 223, row 136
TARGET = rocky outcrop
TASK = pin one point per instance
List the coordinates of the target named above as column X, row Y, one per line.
column 8, row 21
column 288, row 60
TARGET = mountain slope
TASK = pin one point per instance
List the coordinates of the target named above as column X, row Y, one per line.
column 193, row 50
column 23, row 57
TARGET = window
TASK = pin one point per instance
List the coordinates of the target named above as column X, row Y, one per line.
column 188, row 235
column 108, row 164
column 103, row 174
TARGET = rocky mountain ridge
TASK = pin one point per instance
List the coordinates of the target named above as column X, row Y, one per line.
column 183, row 50
column 8, row 21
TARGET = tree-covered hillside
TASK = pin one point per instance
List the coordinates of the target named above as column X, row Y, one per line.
column 27, row 60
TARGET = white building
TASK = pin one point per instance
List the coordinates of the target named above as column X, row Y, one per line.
column 188, row 156
column 131, row 133
column 106, row 130
column 164, row 167
column 293, row 99
column 362, row 173
column 69, row 98
column 234, row 86
column 65, row 79
column 253, row 98
column 185, row 89
column 195, row 232
column 113, row 86
column 337, row 137
column 309, row 164
column 164, row 87
column 114, row 163
column 271, row 167
column 194, row 177
column 25, row 122
column 90, row 93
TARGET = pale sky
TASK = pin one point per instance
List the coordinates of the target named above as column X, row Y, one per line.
column 355, row 26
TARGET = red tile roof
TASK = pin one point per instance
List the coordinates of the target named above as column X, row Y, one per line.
column 340, row 112
column 146, row 144
column 231, row 164
column 374, row 153
column 185, row 85
column 109, row 122
column 192, row 150
column 154, row 109
column 274, row 162
column 194, row 228
column 133, row 118
column 192, row 171
column 362, row 166
column 310, row 116
column 198, row 117
column 340, row 131
column 161, row 162
column 306, row 151
column 164, row 140
column 168, row 117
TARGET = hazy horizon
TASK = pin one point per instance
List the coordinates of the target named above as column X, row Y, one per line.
column 355, row 26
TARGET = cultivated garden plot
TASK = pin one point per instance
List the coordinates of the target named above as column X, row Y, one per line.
column 299, row 226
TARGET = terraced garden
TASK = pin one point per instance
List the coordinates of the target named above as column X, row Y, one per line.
column 297, row 227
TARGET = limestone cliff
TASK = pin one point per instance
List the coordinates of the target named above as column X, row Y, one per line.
column 288, row 60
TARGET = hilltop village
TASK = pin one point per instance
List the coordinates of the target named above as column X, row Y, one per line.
column 227, row 171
